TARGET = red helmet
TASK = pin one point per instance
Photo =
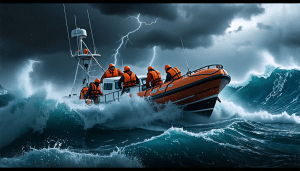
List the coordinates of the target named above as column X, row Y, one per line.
column 167, row 67
column 126, row 68
column 150, row 67
column 111, row 65
column 97, row 80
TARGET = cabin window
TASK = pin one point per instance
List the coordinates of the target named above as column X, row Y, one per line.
column 144, row 84
column 116, row 85
column 144, row 88
column 107, row 86
column 143, row 81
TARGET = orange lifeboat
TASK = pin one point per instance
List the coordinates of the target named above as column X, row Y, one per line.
column 197, row 91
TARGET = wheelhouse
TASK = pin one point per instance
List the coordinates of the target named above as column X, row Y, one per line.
column 111, row 91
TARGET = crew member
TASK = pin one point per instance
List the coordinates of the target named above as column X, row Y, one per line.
column 129, row 79
column 85, row 51
column 83, row 92
column 94, row 91
column 154, row 77
column 111, row 72
column 172, row 73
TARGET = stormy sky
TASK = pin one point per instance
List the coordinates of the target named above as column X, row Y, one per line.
column 242, row 37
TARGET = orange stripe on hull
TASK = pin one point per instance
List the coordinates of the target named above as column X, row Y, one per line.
column 200, row 91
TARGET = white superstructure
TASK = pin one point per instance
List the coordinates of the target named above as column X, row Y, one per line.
column 87, row 61
column 111, row 90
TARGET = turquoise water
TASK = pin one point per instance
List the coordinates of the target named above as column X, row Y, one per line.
column 255, row 125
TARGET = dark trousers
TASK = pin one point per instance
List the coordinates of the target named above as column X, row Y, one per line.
column 125, row 90
column 95, row 99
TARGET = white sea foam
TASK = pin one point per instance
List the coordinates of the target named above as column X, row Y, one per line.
column 26, row 111
column 173, row 131
column 127, row 113
column 22, row 114
column 30, row 110
column 25, row 88
column 269, row 66
column 55, row 157
column 228, row 109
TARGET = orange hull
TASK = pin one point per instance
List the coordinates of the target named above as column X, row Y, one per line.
column 197, row 92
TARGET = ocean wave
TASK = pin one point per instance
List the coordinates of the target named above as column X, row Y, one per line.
column 65, row 158
column 276, row 93
column 129, row 113
column 20, row 115
column 229, row 109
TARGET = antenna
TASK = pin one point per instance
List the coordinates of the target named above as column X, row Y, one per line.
column 91, row 30
column 184, row 56
column 76, row 34
column 75, row 21
column 67, row 30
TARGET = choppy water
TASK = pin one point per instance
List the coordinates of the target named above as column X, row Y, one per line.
column 255, row 125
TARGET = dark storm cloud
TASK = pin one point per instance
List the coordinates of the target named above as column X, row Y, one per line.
column 245, row 11
column 281, row 39
column 171, row 40
column 244, row 43
column 35, row 29
column 283, row 44
column 38, row 31
column 248, row 10
column 238, row 30
column 196, row 25
column 263, row 26
column 31, row 29
column 166, row 11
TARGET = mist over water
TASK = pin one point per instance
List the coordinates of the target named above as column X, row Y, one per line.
column 255, row 125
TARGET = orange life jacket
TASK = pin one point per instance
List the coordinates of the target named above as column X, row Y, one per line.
column 85, row 51
column 156, row 77
column 175, row 73
column 95, row 90
column 110, row 73
column 129, row 80
column 83, row 92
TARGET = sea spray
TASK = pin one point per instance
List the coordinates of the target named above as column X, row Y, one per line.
column 66, row 158
column 28, row 110
column 228, row 109
column 25, row 88
column 128, row 113
column 23, row 114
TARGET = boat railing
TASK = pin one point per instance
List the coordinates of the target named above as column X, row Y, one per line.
column 113, row 94
column 118, row 94
column 219, row 66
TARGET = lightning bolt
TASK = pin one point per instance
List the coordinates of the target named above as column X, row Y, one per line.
column 127, row 35
column 154, row 54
